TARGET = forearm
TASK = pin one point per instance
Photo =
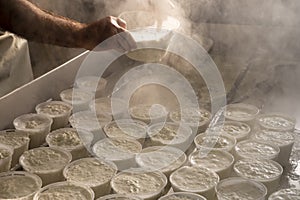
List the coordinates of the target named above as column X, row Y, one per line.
column 27, row 20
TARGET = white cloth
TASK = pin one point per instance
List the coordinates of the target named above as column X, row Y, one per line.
column 15, row 66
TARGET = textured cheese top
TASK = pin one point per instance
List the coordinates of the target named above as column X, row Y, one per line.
column 191, row 116
column 118, row 197
column 54, row 108
column 182, row 196
column 75, row 96
column 32, row 121
column 277, row 122
column 277, row 137
column 13, row 139
column 213, row 141
column 123, row 129
column 146, row 112
column 286, row 194
column 241, row 112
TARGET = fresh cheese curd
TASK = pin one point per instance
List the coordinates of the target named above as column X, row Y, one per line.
column 119, row 197
column 121, row 151
column 92, row 172
column 218, row 161
column 256, row 149
column 17, row 141
column 19, row 185
column 165, row 159
column 182, row 196
column 72, row 140
column 125, row 128
column 197, row 118
column 112, row 106
column 146, row 185
column 37, row 126
column 195, row 179
column 276, row 122
column 65, row 191
column 91, row 122
column 286, row 194
column 149, row 113
column 267, row 172
column 285, row 141
column 239, row 130
column 46, row 162
column 5, row 158
column 236, row 188
column 222, row 142
column 92, row 84
column 79, row 99
column 171, row 134
column 59, row 111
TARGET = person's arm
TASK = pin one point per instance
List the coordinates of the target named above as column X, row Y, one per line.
column 27, row 20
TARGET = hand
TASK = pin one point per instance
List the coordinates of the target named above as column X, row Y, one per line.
column 91, row 35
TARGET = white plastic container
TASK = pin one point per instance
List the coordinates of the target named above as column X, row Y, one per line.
column 241, row 189
column 161, row 158
column 119, row 197
column 6, row 153
column 123, row 128
column 92, row 172
column 149, row 113
column 218, row 161
column 77, row 142
column 93, row 84
column 285, row 141
column 59, row 111
column 182, row 196
column 170, row 134
column 19, row 142
column 197, row 119
column 65, row 191
column 239, row 130
column 276, row 122
column 256, row 149
column 264, row 171
column 146, row 185
column 37, row 126
column 78, row 98
column 196, row 180
column 121, row 151
column 46, row 162
column 286, row 194
column 19, row 185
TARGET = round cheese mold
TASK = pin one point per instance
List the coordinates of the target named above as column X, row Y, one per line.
column 276, row 122
column 46, row 162
column 197, row 118
column 170, row 134
column 239, row 130
column 70, row 140
column 78, row 98
column 65, row 191
column 149, row 113
column 143, row 184
column 104, row 105
column 19, row 185
column 91, row 122
column 218, row 161
column 92, row 84
column 256, row 149
column 196, row 180
column 241, row 112
column 182, row 196
column 285, row 141
column 121, row 151
column 241, row 189
column 264, row 171
column 92, row 172
column 222, row 142
column 119, row 197
column 6, row 153
column 286, row 194
column 59, row 111
column 124, row 128
column 165, row 159
column 17, row 141
column 37, row 126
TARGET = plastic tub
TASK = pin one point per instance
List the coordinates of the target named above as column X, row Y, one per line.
column 146, row 185
column 149, row 113
column 65, row 191
column 239, row 130
column 6, row 153
column 59, row 111
column 119, row 197
column 19, row 185
column 78, row 98
column 196, row 180
column 218, row 161
column 92, row 172
column 17, row 141
column 240, row 188
column 77, row 142
column 46, row 162
column 264, row 171
column 182, row 196
column 93, row 84
column 276, row 122
column 286, row 194
column 37, row 126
